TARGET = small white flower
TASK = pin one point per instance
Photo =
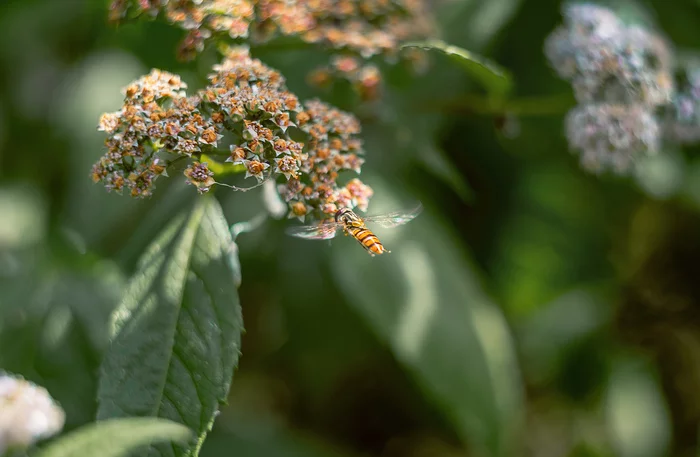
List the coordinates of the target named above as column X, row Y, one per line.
column 27, row 413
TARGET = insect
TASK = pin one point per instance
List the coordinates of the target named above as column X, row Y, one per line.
column 354, row 225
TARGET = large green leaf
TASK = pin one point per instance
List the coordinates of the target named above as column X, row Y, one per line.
column 115, row 438
column 424, row 300
column 177, row 331
column 496, row 80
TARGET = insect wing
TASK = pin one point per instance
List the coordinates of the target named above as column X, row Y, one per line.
column 314, row 232
column 389, row 220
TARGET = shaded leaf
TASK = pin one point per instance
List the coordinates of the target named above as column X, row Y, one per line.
column 177, row 331
column 425, row 302
column 115, row 438
column 442, row 167
column 414, row 136
column 475, row 23
column 548, row 336
column 55, row 320
column 254, row 437
column 543, row 249
column 495, row 79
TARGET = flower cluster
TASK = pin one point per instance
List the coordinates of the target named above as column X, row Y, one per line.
column 200, row 18
column 268, row 132
column 156, row 120
column 683, row 120
column 610, row 136
column 27, row 413
column 352, row 28
column 366, row 27
column 198, row 175
column 333, row 147
column 621, row 74
column 251, row 101
column 606, row 60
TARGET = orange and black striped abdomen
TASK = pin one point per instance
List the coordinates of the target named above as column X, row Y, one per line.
column 367, row 239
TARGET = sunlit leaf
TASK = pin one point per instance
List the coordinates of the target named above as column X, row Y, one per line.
column 177, row 331
column 24, row 217
column 637, row 416
column 425, row 302
column 115, row 438
column 476, row 22
column 551, row 333
column 221, row 168
column 495, row 79
column 661, row 175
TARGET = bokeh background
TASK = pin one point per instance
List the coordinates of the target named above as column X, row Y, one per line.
column 532, row 309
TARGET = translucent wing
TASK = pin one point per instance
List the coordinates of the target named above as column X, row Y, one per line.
column 314, row 232
column 389, row 220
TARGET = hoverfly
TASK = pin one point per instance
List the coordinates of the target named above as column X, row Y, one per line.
column 354, row 225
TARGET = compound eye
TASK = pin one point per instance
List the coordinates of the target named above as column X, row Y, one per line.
column 341, row 215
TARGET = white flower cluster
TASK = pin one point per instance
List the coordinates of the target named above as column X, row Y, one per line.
column 27, row 413
column 621, row 76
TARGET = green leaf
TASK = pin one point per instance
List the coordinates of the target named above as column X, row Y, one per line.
column 476, row 22
column 55, row 320
column 256, row 437
column 424, row 300
column 177, row 330
column 115, row 438
column 637, row 415
column 661, row 175
column 221, row 169
column 495, row 79
column 442, row 167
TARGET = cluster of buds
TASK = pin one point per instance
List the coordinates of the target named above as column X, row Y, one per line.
column 621, row 75
column 158, row 120
column 269, row 132
column 250, row 100
column 363, row 28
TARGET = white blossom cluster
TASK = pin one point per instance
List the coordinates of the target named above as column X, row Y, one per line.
column 621, row 75
column 27, row 413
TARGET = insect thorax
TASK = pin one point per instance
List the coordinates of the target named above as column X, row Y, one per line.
column 346, row 216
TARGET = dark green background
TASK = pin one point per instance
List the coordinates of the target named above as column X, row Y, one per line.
column 561, row 308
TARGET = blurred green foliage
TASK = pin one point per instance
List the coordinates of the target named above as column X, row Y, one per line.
column 532, row 309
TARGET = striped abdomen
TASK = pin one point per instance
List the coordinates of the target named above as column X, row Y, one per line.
column 367, row 239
